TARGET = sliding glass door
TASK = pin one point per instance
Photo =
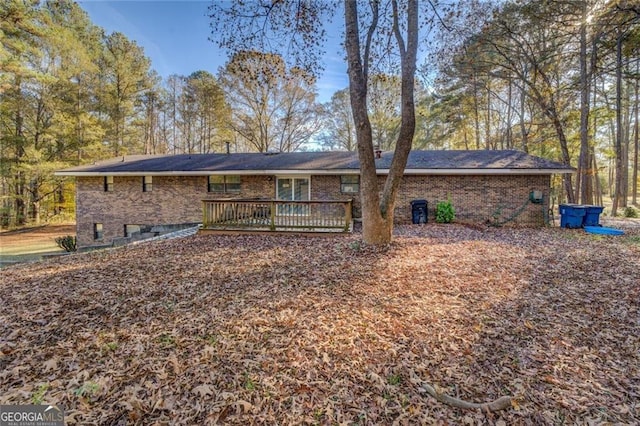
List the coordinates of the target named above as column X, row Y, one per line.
column 293, row 189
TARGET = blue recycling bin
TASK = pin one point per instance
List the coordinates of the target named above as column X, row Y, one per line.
column 592, row 216
column 572, row 215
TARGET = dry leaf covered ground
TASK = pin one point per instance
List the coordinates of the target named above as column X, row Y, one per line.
column 300, row 330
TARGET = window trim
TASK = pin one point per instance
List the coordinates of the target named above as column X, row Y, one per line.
column 226, row 185
column 349, row 184
column 293, row 179
column 293, row 210
column 108, row 183
column 147, row 183
column 98, row 231
column 127, row 232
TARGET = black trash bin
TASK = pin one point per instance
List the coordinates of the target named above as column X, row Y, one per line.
column 419, row 211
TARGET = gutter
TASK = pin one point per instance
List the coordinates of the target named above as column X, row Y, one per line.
column 408, row 172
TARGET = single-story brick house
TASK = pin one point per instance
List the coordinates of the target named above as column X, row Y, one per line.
column 127, row 195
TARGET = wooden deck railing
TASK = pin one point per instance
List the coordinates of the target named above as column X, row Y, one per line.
column 275, row 215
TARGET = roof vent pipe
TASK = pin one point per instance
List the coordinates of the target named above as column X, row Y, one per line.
column 228, row 147
column 377, row 151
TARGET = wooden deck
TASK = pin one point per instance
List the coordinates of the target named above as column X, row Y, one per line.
column 277, row 216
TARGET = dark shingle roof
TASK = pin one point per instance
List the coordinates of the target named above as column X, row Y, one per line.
column 227, row 162
column 481, row 159
column 336, row 161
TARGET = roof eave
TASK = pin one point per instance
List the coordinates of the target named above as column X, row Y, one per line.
column 534, row 171
column 317, row 172
column 209, row 172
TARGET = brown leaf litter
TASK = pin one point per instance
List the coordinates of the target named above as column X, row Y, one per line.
column 301, row 330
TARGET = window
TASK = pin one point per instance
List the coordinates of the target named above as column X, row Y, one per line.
column 108, row 183
column 130, row 230
column 224, row 184
column 232, row 183
column 350, row 184
column 97, row 231
column 293, row 189
column 147, row 184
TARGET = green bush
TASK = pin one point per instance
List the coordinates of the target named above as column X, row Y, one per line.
column 445, row 213
column 67, row 243
column 630, row 212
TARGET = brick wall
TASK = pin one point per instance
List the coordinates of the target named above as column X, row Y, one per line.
column 328, row 188
column 178, row 200
column 173, row 200
column 477, row 199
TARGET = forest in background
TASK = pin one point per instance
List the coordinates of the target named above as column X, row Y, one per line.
column 560, row 80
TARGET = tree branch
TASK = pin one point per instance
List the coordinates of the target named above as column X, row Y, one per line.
column 396, row 30
column 435, row 11
column 501, row 403
column 375, row 11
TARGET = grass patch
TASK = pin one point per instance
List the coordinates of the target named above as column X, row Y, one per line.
column 633, row 240
column 37, row 397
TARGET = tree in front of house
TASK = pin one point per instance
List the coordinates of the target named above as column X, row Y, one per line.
column 373, row 30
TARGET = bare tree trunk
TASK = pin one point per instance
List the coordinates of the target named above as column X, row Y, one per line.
column 20, row 195
column 523, row 126
column 377, row 210
column 611, row 178
column 564, row 149
column 374, row 228
column 584, row 185
column 60, row 200
column 618, row 141
column 466, row 138
column 487, row 130
column 408, row 56
column 34, row 205
column 20, row 186
column 611, row 127
column 509, row 135
column 174, row 115
column 476, row 110
column 626, row 135
column 598, row 186
column 636, row 127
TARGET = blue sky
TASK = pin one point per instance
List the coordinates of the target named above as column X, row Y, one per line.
column 174, row 34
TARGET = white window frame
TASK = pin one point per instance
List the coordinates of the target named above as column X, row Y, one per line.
column 285, row 212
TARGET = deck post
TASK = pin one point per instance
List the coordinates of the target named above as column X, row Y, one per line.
column 204, row 214
column 347, row 215
column 272, row 214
